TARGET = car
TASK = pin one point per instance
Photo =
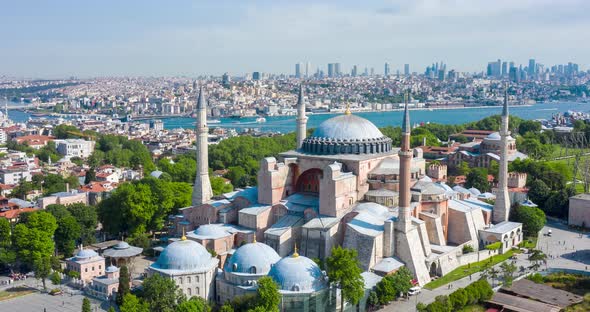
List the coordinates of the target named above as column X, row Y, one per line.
column 549, row 233
column 414, row 290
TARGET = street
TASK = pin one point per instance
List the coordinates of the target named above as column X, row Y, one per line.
column 574, row 254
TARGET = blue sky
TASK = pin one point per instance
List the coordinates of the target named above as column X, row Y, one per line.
column 61, row 38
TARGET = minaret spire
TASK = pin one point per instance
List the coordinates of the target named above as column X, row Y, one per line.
column 202, row 188
column 301, row 118
column 502, row 205
column 405, row 159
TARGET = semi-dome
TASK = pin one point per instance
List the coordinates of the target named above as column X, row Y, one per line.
column 253, row 258
column 346, row 134
column 184, row 255
column 298, row 274
column 86, row 253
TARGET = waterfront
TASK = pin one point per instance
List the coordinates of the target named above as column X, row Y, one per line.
column 285, row 124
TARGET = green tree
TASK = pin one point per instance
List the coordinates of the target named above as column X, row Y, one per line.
column 226, row 307
column 508, row 269
column 90, row 176
column 42, row 269
column 538, row 191
column 133, row 304
column 68, row 230
column 33, row 239
column 478, row 178
column 112, row 309
column 344, row 270
column 458, row 299
column 532, row 218
column 86, row 307
column 194, row 304
column 161, row 294
column 463, row 168
column 87, row 217
column 22, row 189
column 124, row 288
column 55, row 279
column 268, row 296
column 385, row 290
column 7, row 254
column 5, row 236
column 219, row 186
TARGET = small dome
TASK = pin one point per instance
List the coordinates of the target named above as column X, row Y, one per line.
column 211, row 230
column 185, row 255
column 253, row 258
column 425, row 179
column 122, row 245
column 298, row 274
column 86, row 253
column 156, row 174
column 475, row 191
column 494, row 136
column 112, row 269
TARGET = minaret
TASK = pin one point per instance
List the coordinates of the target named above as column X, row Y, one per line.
column 301, row 119
column 405, row 162
column 502, row 204
column 202, row 189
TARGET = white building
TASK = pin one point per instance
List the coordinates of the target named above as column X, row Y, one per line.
column 75, row 147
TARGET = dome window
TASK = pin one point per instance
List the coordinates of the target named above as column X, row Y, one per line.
column 295, row 287
column 252, row 270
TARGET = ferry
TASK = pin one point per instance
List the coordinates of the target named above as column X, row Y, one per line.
column 213, row 121
column 260, row 120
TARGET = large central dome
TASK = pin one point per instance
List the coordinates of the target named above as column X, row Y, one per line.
column 347, row 134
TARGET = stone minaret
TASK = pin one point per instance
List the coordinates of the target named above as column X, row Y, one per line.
column 202, row 189
column 405, row 163
column 301, row 119
column 502, row 205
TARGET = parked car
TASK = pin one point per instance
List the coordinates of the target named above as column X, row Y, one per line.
column 414, row 290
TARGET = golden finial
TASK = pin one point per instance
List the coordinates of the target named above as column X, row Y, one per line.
column 295, row 253
column 183, row 236
column 347, row 112
column 254, row 239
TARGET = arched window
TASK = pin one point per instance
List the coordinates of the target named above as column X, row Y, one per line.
column 189, row 291
column 234, row 267
column 253, row 270
column 188, row 279
column 295, row 288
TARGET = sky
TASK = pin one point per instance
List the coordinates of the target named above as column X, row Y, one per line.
column 62, row 38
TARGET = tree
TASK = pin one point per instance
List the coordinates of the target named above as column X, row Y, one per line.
column 90, row 176
column 42, row 268
column 68, row 230
column 344, row 270
column 132, row 304
column 268, row 296
column 5, row 237
column 226, row 307
column 195, row 304
column 7, row 254
column 86, row 305
column 478, row 178
column 33, row 239
column 508, row 269
column 161, row 293
column 55, row 279
column 538, row 192
column 463, row 168
column 123, row 285
column 385, row 290
column 532, row 218
column 529, row 126
column 87, row 217
column 458, row 299
column 112, row 309
column 219, row 186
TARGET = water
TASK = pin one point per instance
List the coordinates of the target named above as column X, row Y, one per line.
column 285, row 124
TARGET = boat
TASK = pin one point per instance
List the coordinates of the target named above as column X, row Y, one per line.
column 213, row 121
column 260, row 120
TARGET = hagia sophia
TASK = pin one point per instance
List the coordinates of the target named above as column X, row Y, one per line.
column 344, row 185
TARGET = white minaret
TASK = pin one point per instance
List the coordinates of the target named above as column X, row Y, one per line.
column 502, row 204
column 202, row 189
column 301, row 119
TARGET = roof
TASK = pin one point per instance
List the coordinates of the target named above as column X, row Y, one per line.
column 371, row 279
column 14, row 213
column 517, row 304
column 388, row 265
column 543, row 293
column 284, row 224
column 122, row 250
column 582, row 196
column 298, row 274
column 254, row 210
column 253, row 258
column 503, row 227
column 349, row 127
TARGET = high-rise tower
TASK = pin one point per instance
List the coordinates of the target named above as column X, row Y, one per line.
column 405, row 162
column 202, row 189
column 301, row 118
column 502, row 204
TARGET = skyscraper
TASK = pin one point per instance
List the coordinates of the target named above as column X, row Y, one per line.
column 307, row 69
column 256, row 76
column 354, row 71
column 298, row 70
column 337, row 71
column 386, row 69
column 330, row 70
column 504, row 69
column 406, row 69
column 532, row 67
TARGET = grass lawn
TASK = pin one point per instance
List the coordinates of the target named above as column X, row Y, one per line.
column 473, row 308
column 529, row 243
column 467, row 270
column 14, row 292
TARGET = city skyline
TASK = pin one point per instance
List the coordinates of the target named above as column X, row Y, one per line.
column 68, row 38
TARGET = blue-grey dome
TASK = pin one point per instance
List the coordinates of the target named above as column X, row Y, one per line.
column 347, row 134
column 253, row 258
column 211, row 231
column 122, row 245
column 86, row 253
column 112, row 269
column 298, row 274
column 184, row 255
column 349, row 127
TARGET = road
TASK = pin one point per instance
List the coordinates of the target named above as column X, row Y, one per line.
column 575, row 254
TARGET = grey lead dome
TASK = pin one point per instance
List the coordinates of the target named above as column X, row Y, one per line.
column 347, row 134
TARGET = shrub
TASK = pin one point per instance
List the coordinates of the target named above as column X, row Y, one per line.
column 537, row 278
column 467, row 249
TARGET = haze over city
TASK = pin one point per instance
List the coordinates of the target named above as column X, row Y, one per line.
column 43, row 39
